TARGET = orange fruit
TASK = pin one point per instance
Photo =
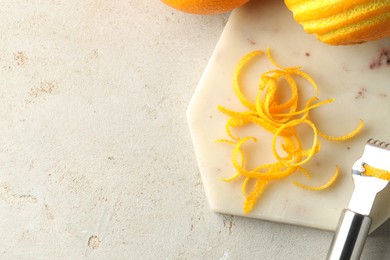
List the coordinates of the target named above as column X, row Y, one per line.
column 343, row 22
column 204, row 6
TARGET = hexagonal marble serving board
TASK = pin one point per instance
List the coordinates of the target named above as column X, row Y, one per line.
column 357, row 77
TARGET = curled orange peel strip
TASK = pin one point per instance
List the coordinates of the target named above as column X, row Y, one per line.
column 236, row 78
column 343, row 137
column 254, row 195
column 325, row 186
column 238, row 174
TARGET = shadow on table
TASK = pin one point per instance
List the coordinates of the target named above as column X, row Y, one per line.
column 377, row 244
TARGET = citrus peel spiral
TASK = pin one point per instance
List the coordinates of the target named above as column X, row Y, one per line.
column 281, row 118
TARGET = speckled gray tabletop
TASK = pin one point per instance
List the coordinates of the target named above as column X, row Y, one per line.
column 96, row 158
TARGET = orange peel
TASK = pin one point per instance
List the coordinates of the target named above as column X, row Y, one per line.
column 282, row 120
column 376, row 172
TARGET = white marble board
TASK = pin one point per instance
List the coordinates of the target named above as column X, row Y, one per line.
column 357, row 77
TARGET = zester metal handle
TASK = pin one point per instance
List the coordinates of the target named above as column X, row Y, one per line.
column 350, row 236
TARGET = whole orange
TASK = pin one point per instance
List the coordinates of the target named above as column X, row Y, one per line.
column 343, row 22
column 204, row 6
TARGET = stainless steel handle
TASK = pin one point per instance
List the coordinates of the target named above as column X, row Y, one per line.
column 351, row 234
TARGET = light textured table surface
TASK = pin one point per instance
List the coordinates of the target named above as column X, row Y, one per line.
column 96, row 160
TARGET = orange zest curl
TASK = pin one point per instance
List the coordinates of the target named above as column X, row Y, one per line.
column 325, row 186
column 281, row 119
